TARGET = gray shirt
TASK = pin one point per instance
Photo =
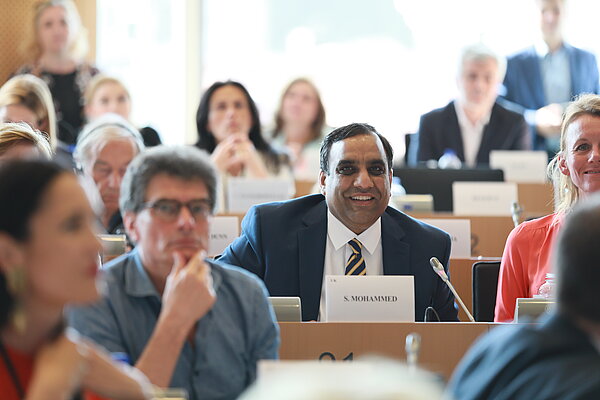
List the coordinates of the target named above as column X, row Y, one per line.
column 239, row 330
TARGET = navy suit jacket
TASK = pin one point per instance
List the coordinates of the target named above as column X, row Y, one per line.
column 284, row 244
column 524, row 89
column 439, row 130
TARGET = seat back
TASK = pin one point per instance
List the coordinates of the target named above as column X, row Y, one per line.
column 485, row 285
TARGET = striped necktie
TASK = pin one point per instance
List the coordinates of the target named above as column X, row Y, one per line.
column 356, row 263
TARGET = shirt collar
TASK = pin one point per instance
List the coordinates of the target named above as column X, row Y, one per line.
column 542, row 49
column 341, row 235
column 465, row 121
column 137, row 281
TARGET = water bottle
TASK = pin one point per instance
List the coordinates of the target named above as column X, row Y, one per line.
column 546, row 291
column 397, row 188
column 449, row 160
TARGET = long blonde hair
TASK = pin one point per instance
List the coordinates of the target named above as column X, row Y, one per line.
column 78, row 46
column 31, row 92
column 566, row 193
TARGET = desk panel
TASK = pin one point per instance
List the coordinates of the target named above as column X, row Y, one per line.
column 442, row 344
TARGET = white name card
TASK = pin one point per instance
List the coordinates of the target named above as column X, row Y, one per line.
column 370, row 298
column 460, row 235
column 483, row 198
column 223, row 230
column 520, row 166
column 243, row 193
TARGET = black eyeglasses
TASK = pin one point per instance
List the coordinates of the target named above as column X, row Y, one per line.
column 169, row 210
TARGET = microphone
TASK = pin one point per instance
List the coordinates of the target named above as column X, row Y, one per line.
column 515, row 211
column 413, row 346
column 439, row 269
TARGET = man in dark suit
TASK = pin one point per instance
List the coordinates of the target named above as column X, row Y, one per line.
column 559, row 358
column 542, row 78
column 473, row 124
column 293, row 245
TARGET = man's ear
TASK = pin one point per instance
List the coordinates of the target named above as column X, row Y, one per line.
column 129, row 223
column 562, row 165
column 12, row 254
column 322, row 177
column 391, row 177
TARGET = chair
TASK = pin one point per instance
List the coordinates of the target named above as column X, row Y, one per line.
column 485, row 285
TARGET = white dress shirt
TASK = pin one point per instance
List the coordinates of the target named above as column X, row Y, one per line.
column 338, row 251
column 471, row 133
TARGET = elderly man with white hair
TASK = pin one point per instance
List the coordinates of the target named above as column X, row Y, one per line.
column 104, row 150
column 473, row 124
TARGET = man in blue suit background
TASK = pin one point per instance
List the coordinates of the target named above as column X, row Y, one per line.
column 541, row 79
column 293, row 245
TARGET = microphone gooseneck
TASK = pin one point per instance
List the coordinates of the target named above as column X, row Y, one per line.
column 439, row 269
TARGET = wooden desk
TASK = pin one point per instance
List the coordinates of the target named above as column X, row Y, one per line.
column 443, row 344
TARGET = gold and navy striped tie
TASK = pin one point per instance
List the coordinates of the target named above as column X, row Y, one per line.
column 356, row 262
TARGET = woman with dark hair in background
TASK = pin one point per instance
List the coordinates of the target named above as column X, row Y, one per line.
column 56, row 50
column 48, row 259
column 229, row 129
column 300, row 127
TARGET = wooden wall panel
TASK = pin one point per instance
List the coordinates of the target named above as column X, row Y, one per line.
column 16, row 17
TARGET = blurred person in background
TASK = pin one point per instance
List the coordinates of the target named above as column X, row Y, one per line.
column 104, row 149
column 56, row 49
column 106, row 94
column 473, row 124
column 542, row 79
column 26, row 98
column 21, row 141
column 48, row 259
column 229, row 129
column 300, row 127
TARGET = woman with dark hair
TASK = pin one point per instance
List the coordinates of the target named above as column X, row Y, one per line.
column 229, row 129
column 300, row 127
column 48, row 259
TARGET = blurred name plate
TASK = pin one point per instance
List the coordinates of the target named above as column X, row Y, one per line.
column 223, row 230
column 483, row 198
column 243, row 193
column 520, row 166
column 460, row 234
column 370, row 298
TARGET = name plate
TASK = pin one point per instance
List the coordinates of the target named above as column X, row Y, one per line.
column 460, row 235
column 243, row 193
column 520, row 166
column 223, row 231
column 370, row 298
column 483, row 198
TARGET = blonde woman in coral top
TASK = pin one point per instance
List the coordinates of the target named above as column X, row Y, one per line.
column 575, row 171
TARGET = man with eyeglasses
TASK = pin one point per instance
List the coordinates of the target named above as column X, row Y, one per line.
column 184, row 321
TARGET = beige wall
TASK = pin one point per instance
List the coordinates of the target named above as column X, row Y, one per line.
column 15, row 22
